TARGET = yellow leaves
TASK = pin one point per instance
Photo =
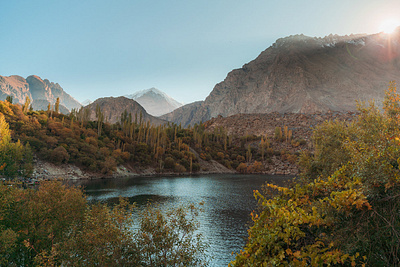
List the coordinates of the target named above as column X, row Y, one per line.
column 344, row 200
column 297, row 254
column 279, row 188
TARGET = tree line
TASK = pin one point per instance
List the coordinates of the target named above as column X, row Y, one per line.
column 100, row 146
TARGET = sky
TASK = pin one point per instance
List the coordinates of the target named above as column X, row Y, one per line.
column 100, row 48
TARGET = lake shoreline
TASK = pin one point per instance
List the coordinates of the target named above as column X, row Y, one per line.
column 44, row 170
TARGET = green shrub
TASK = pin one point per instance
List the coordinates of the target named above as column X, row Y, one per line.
column 169, row 163
column 59, row 155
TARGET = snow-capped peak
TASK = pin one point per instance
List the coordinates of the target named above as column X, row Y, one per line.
column 155, row 101
column 86, row 102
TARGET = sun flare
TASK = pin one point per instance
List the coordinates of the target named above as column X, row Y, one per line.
column 388, row 26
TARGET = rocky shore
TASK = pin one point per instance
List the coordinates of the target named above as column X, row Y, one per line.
column 46, row 171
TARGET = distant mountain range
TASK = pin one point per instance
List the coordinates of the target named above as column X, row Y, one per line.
column 155, row 102
column 297, row 74
column 303, row 74
column 41, row 92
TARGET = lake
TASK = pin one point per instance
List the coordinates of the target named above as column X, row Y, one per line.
column 228, row 200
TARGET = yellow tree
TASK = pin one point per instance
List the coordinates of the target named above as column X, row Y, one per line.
column 344, row 208
column 15, row 159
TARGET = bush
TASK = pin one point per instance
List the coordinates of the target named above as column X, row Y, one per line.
column 240, row 158
column 195, row 167
column 242, row 168
column 169, row 163
column 59, row 155
column 185, row 163
column 108, row 166
column 257, row 167
column 169, row 238
column 179, row 168
column 55, row 226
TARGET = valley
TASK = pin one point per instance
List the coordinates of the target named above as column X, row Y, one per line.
column 259, row 119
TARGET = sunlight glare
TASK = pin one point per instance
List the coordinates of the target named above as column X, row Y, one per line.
column 388, row 26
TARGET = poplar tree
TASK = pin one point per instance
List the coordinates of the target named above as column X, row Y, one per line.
column 25, row 107
column 57, row 106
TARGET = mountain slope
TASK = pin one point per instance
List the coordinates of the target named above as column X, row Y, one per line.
column 155, row 102
column 113, row 107
column 187, row 114
column 303, row 74
column 36, row 89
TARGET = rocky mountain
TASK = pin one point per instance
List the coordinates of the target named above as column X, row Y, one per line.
column 37, row 89
column 155, row 102
column 188, row 114
column 304, row 74
column 113, row 107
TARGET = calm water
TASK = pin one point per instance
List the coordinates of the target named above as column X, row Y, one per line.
column 228, row 201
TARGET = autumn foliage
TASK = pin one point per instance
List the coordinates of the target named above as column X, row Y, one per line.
column 344, row 209
column 100, row 147
column 55, row 226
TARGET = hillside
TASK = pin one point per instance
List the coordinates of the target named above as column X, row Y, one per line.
column 187, row 114
column 302, row 74
column 113, row 107
column 301, row 125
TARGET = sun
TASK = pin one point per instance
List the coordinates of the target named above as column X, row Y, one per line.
column 388, row 26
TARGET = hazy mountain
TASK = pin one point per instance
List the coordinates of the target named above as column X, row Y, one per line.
column 113, row 107
column 155, row 102
column 303, row 74
column 37, row 89
column 86, row 102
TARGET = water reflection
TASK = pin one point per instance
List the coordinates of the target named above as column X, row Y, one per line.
column 228, row 201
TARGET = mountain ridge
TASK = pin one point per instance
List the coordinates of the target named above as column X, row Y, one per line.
column 304, row 74
column 36, row 89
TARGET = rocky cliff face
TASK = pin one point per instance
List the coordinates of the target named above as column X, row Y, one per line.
column 191, row 113
column 302, row 74
column 155, row 102
column 37, row 90
column 113, row 107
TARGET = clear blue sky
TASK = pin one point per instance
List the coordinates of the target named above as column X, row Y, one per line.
column 98, row 48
